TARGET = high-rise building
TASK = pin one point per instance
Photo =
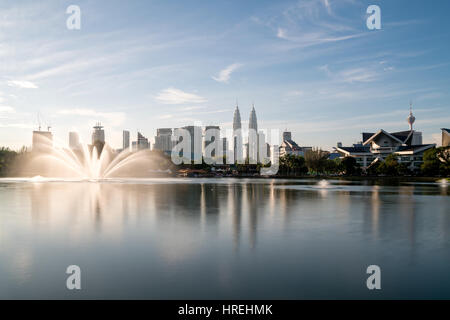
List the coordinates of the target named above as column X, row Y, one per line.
column 237, row 136
column 224, row 147
column 252, row 147
column 125, row 139
column 196, row 136
column 214, row 136
column 42, row 140
column 99, row 134
column 445, row 137
column 98, row 138
column 163, row 140
column 236, row 119
column 74, row 140
column 252, row 121
column 142, row 142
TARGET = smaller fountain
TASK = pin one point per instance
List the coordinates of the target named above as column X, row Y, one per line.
column 323, row 184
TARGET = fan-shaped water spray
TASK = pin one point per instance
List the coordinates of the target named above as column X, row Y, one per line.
column 86, row 162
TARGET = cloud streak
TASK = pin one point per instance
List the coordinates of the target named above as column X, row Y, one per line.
column 22, row 84
column 225, row 74
column 177, row 96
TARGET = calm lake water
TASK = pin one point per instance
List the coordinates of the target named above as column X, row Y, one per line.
column 224, row 238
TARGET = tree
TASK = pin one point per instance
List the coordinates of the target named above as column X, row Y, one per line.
column 349, row 166
column 443, row 154
column 333, row 166
column 292, row 165
column 431, row 163
column 316, row 160
column 7, row 158
column 372, row 170
column 391, row 167
column 436, row 161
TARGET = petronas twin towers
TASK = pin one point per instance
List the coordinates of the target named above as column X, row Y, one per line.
column 252, row 121
column 237, row 133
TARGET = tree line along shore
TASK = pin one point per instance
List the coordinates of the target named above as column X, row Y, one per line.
column 436, row 163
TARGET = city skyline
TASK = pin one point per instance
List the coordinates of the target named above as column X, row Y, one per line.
column 311, row 67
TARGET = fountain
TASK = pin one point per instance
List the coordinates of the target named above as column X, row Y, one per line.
column 87, row 163
column 323, row 183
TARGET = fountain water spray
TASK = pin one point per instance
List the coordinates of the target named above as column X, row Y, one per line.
column 87, row 163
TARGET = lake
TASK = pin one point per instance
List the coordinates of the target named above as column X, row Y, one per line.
column 224, row 238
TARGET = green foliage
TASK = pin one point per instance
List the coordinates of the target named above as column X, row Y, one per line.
column 333, row 166
column 350, row 166
column 7, row 158
column 292, row 165
column 443, row 155
column 372, row 170
column 391, row 167
column 436, row 161
column 316, row 161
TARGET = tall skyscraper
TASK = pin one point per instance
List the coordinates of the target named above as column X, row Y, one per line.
column 142, row 142
column 212, row 135
column 237, row 136
column 224, row 147
column 196, row 136
column 42, row 140
column 74, row 140
column 252, row 148
column 163, row 140
column 99, row 134
column 125, row 139
column 98, row 138
column 252, row 121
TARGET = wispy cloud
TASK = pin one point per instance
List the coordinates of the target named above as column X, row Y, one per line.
column 177, row 96
column 311, row 22
column 281, row 33
column 22, row 84
column 192, row 108
column 225, row 74
column 352, row 75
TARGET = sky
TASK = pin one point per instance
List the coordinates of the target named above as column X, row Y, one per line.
column 310, row 66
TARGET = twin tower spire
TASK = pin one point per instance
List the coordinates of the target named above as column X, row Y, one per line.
column 252, row 122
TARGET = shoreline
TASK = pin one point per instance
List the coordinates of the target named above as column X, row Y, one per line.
column 325, row 177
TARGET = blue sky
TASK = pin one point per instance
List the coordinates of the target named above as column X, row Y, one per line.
column 311, row 66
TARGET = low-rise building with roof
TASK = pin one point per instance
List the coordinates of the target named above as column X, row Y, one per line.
column 407, row 145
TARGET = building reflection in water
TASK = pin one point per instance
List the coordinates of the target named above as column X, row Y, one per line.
column 182, row 214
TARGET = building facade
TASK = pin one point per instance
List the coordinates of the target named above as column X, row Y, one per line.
column 211, row 139
column 125, row 140
column 142, row 142
column 74, row 140
column 163, row 140
column 290, row 147
column 237, row 136
column 98, row 135
column 252, row 147
column 445, row 137
column 406, row 145
column 42, row 140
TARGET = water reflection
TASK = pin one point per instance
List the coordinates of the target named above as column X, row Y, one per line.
column 240, row 229
column 211, row 208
